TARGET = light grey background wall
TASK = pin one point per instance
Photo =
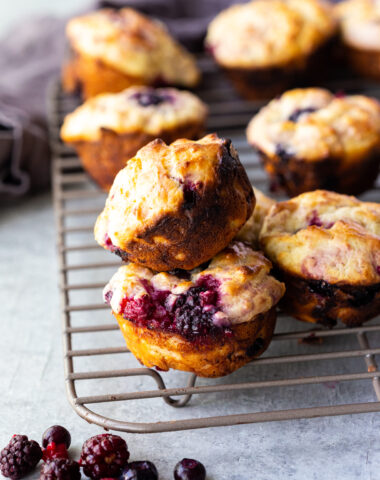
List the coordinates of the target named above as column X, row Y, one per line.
column 12, row 11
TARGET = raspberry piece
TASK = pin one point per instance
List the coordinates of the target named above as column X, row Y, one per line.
column 54, row 450
column 104, row 456
column 19, row 457
column 60, row 469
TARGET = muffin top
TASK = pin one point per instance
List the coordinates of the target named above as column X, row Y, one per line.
column 251, row 230
column 133, row 44
column 266, row 33
column 136, row 109
column 179, row 203
column 360, row 23
column 314, row 124
column 234, row 288
column 325, row 236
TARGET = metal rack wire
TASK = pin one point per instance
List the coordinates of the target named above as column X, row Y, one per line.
column 97, row 364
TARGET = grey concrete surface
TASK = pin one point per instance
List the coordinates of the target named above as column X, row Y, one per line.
column 33, row 397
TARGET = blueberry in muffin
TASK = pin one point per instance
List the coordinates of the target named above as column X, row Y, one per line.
column 265, row 46
column 209, row 321
column 360, row 35
column 114, row 49
column 176, row 206
column 107, row 130
column 326, row 248
column 310, row 138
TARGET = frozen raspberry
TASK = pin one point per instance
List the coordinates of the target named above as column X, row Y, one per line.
column 19, row 457
column 56, row 434
column 189, row 469
column 104, row 456
column 54, row 450
column 60, row 469
column 142, row 470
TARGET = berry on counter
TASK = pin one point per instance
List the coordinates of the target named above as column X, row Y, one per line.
column 57, row 435
column 60, row 469
column 54, row 450
column 189, row 469
column 19, row 457
column 104, row 456
column 142, row 470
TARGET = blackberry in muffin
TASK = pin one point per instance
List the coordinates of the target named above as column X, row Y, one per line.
column 107, row 130
column 115, row 49
column 209, row 321
column 310, row 138
column 326, row 248
column 176, row 206
column 266, row 45
column 360, row 35
column 251, row 230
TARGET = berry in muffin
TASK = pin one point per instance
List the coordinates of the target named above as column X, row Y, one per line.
column 210, row 320
column 107, row 130
column 360, row 35
column 251, row 230
column 176, row 206
column 326, row 248
column 114, row 49
column 266, row 45
column 310, row 138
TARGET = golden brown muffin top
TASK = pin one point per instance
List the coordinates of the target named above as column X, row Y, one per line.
column 325, row 236
column 133, row 44
column 360, row 23
column 136, row 109
column 152, row 186
column 251, row 230
column 244, row 284
column 267, row 33
column 313, row 124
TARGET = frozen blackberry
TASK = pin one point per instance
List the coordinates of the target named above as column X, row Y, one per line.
column 104, row 456
column 19, row 457
column 189, row 469
column 60, row 469
column 142, row 470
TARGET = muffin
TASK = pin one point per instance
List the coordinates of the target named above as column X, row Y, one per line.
column 115, row 49
column 209, row 321
column 311, row 138
column 109, row 129
column 360, row 35
column 176, row 206
column 251, row 230
column 266, row 45
column 326, row 248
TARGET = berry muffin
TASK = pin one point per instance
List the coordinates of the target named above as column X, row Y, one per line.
column 251, row 230
column 109, row 129
column 360, row 35
column 311, row 138
column 114, row 49
column 176, row 206
column 209, row 321
column 326, row 248
column 266, row 45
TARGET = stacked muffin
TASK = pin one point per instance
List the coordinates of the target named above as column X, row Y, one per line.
column 191, row 298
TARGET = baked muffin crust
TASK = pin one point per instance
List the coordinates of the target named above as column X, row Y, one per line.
column 136, row 109
column 360, row 23
column 313, row 124
column 267, row 33
column 325, row 236
column 133, row 44
column 176, row 206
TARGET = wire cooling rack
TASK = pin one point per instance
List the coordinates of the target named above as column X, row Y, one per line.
column 306, row 372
